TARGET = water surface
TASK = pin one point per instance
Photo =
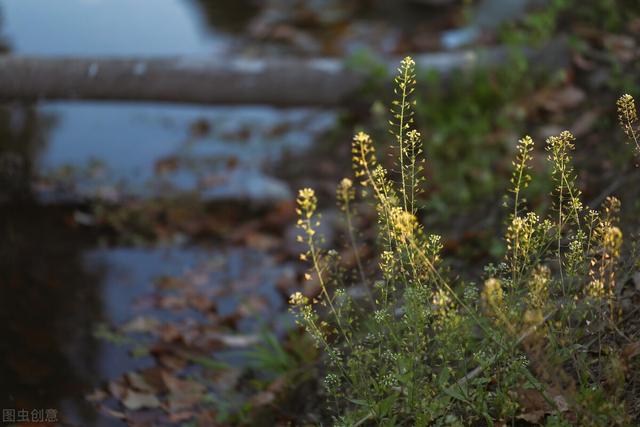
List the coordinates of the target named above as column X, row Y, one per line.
column 57, row 283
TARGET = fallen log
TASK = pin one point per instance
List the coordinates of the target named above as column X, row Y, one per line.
column 278, row 82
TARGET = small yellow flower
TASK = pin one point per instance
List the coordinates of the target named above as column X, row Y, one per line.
column 627, row 114
column 345, row 193
column 612, row 240
column 492, row 292
column 533, row 317
column 297, row 299
column 405, row 224
column 307, row 202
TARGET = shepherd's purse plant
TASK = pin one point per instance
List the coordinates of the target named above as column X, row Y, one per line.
column 540, row 338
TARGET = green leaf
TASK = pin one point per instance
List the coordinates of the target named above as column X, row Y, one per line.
column 457, row 392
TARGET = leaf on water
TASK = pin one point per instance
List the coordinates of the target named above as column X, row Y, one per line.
column 137, row 382
column 134, row 400
column 145, row 418
column 144, row 324
column 226, row 380
column 172, row 302
column 102, row 331
column 111, row 412
column 178, row 417
column 209, row 363
column 97, row 395
column 171, row 361
column 117, row 389
column 201, row 302
column 169, row 332
column 168, row 283
column 238, row 341
column 183, row 394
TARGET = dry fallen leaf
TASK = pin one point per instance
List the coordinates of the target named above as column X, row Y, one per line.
column 207, row 417
column 96, row 395
column 111, row 412
column 171, row 361
column 168, row 283
column 145, row 324
column 269, row 395
column 238, row 341
column 263, row 398
column 137, row 382
column 117, row 389
column 169, row 332
column 631, row 350
column 225, row 380
column 533, row 417
column 564, row 99
column 172, row 302
column 134, row 400
column 178, row 417
column 146, row 418
column 201, row 302
column 534, row 406
column 561, row 403
column 183, row 394
column 623, row 47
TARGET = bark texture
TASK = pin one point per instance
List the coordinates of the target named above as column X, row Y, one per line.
column 278, row 82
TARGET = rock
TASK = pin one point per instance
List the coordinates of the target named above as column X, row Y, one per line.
column 488, row 15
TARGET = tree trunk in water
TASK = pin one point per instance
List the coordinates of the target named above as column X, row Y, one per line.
column 278, row 82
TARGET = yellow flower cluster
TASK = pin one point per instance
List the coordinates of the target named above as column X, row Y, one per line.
column 345, row 193
column 297, row 299
column 307, row 203
column 627, row 114
column 492, row 294
column 404, row 223
column 520, row 178
column 364, row 157
column 539, row 287
column 612, row 240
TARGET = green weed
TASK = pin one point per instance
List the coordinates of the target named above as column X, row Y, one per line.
column 542, row 339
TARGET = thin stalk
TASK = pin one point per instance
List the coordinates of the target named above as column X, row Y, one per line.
column 356, row 253
column 400, row 136
column 316, row 267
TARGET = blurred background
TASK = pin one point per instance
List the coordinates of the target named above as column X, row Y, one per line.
column 147, row 249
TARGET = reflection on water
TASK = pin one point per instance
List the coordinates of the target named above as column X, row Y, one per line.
column 115, row 149
column 23, row 135
column 48, row 300
column 56, row 286
column 140, row 148
column 226, row 15
column 108, row 27
column 54, row 291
